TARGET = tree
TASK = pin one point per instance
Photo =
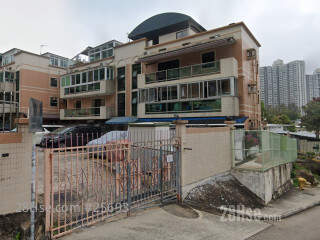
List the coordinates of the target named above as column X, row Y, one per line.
column 311, row 119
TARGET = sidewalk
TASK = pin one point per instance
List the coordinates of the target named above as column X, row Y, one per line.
column 170, row 222
column 291, row 203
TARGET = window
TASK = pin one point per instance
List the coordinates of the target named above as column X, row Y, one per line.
column 136, row 69
column 67, row 80
column 63, row 82
column 173, row 92
column 96, row 75
column 1, row 76
column 53, row 82
column 73, row 79
column 121, row 104
column 101, row 74
column 84, row 77
column 53, row 101
column 225, row 87
column 184, row 91
column 78, row 79
column 134, row 103
column 7, row 96
column 212, row 88
column 78, row 105
column 121, row 77
column 109, row 73
column 90, row 77
column 164, row 94
column 182, row 34
column 208, row 57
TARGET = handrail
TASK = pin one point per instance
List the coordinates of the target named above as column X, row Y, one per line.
column 183, row 72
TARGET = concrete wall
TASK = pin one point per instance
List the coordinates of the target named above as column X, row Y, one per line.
column 205, row 152
column 15, row 170
column 266, row 184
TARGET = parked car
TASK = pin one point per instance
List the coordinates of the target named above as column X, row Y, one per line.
column 71, row 136
column 109, row 137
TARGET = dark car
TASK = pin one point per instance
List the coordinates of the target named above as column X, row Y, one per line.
column 71, row 136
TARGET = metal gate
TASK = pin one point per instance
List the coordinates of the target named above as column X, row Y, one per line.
column 86, row 184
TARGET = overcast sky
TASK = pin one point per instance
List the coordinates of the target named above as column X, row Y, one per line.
column 286, row 29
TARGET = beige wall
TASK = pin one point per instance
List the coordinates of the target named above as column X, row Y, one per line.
column 15, row 170
column 205, row 152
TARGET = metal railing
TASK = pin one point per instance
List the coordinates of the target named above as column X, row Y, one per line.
column 183, row 72
column 262, row 150
column 83, row 112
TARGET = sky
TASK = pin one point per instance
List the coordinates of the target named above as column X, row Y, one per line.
column 286, row 29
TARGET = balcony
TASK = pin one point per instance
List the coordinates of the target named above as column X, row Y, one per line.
column 225, row 67
column 105, row 87
column 102, row 112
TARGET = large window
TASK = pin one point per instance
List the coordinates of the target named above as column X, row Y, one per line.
column 136, row 69
column 121, row 77
column 103, row 51
column 212, row 105
column 121, row 104
column 196, row 96
column 53, row 82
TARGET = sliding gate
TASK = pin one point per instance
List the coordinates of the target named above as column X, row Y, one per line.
column 86, row 184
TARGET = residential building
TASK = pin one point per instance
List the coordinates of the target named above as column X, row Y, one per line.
column 172, row 68
column 313, row 85
column 283, row 84
column 24, row 75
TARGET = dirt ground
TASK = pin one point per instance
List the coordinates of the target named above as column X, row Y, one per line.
column 222, row 191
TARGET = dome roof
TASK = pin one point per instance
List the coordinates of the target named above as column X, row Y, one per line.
column 164, row 23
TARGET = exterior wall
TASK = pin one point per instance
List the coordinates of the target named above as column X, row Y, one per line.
column 205, row 152
column 36, row 84
column 248, row 73
column 15, row 170
column 267, row 185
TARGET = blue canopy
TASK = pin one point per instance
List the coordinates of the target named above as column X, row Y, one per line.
column 121, row 120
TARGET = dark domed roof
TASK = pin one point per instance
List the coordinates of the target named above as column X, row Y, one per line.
column 164, row 23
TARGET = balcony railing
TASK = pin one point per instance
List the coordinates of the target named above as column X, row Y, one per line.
column 183, row 72
column 83, row 112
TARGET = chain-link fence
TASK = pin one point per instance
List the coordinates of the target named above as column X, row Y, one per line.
column 261, row 150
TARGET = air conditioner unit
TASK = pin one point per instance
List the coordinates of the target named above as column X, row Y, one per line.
column 251, row 53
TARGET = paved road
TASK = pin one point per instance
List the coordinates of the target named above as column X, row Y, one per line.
column 305, row 225
column 169, row 223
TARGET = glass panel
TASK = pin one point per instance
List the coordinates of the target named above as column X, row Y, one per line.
column 63, row 81
column 90, row 87
column 150, row 77
column 78, row 79
column 96, row 75
column 72, row 90
column 185, row 72
column 97, row 86
column 67, row 80
column 90, row 76
column 164, row 94
column 225, row 87
column 183, row 91
column 84, row 77
column 174, row 106
column 84, row 88
column 212, row 88
column 73, row 79
column 101, row 74
column 173, row 92
column 173, row 74
column 194, row 90
column 186, row 106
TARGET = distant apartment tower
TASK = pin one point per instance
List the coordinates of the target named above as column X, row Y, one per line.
column 313, row 85
column 283, row 84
